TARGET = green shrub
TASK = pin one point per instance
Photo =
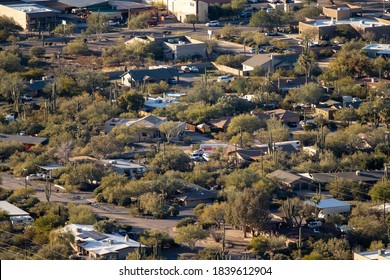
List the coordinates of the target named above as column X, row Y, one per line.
column 185, row 222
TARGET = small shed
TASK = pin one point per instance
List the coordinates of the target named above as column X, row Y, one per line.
column 330, row 206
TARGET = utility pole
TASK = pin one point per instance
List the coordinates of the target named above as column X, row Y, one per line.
column 240, row 137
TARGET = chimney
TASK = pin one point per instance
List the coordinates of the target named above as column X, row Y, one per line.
column 357, row 172
column 31, row 81
column 127, row 239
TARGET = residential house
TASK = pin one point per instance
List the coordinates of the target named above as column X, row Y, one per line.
column 175, row 47
column 12, row 210
column 35, row 87
column 380, row 254
column 128, row 168
column 31, row 17
column 345, row 15
column 331, row 103
column 96, row 245
column 256, row 154
column 292, row 181
column 27, row 140
column 148, row 126
column 285, row 116
column 326, row 113
column 375, row 50
column 140, row 77
column 365, row 177
column 114, row 122
column 330, row 206
column 193, row 195
column 220, row 125
column 151, row 124
column 158, row 102
column 286, row 84
column 270, row 62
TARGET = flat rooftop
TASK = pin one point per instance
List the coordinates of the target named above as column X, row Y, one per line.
column 328, row 203
column 359, row 22
column 373, row 255
column 31, row 8
column 122, row 164
column 377, row 47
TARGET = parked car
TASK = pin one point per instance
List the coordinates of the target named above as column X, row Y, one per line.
column 26, row 97
column 314, row 224
column 213, row 23
column 246, row 14
column 223, row 79
column 113, row 23
column 172, row 81
column 185, row 69
column 194, row 69
column 152, row 22
column 33, row 177
column 271, row 33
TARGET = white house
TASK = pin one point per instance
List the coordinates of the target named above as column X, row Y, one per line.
column 126, row 167
column 330, row 206
column 98, row 245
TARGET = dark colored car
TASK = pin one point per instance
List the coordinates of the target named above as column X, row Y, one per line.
column 151, row 22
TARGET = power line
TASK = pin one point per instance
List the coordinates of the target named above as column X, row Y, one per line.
column 31, row 252
column 35, row 243
column 13, row 252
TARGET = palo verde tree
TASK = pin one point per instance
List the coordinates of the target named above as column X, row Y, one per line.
column 97, row 24
column 192, row 19
column 64, row 30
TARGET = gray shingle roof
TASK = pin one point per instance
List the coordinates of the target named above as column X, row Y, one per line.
column 148, row 121
column 153, row 74
column 24, row 139
column 279, row 60
column 284, row 176
column 361, row 176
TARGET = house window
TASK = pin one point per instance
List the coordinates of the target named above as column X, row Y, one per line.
column 144, row 134
column 192, row 4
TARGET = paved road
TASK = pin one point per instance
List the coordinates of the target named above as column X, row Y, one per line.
column 121, row 214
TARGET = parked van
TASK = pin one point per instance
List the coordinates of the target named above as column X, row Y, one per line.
column 223, row 79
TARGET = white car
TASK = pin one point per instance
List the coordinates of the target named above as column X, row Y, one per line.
column 223, row 79
column 194, row 69
column 213, row 23
column 32, row 177
column 26, row 97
